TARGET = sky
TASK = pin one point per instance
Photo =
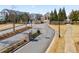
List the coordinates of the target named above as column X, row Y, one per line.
column 41, row 9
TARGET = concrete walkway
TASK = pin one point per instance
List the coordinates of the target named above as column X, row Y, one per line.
column 69, row 44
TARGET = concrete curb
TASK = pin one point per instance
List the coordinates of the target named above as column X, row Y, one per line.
column 53, row 44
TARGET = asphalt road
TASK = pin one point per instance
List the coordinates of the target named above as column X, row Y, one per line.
column 43, row 40
column 42, row 43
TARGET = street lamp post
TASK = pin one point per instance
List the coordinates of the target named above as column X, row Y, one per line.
column 59, row 29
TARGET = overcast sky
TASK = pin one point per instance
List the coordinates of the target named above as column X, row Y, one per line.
column 42, row 9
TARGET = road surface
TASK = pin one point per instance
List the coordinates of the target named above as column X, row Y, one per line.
column 34, row 46
column 42, row 43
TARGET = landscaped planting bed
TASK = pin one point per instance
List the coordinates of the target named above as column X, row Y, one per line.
column 14, row 46
column 10, row 34
column 34, row 35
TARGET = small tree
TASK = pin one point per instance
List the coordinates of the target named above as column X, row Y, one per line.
column 24, row 17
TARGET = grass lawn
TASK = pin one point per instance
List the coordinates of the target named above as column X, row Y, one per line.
column 60, row 45
column 75, row 36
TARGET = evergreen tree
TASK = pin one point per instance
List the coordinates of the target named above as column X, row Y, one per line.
column 55, row 15
column 74, row 16
column 60, row 18
column 51, row 16
column 64, row 13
